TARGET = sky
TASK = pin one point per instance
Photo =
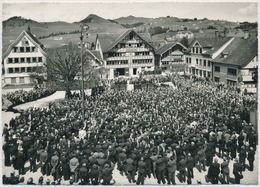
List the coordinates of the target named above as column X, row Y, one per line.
column 76, row 11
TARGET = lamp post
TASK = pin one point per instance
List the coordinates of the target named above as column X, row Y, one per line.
column 83, row 28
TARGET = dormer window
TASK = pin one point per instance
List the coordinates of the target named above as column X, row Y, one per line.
column 224, row 54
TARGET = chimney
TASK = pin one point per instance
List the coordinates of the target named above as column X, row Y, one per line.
column 29, row 29
column 246, row 35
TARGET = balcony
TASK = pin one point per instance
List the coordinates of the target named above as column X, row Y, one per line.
column 118, row 58
column 142, row 57
column 132, row 49
column 247, row 78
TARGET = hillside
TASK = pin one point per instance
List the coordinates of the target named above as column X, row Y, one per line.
column 92, row 18
column 18, row 21
column 49, row 32
column 131, row 20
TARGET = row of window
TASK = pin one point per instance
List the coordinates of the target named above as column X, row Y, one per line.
column 142, row 53
column 21, row 70
column 24, row 49
column 201, row 73
column 229, row 82
column 143, row 61
column 123, row 45
column 199, row 62
column 21, row 80
column 127, row 54
column 196, row 50
column 172, row 62
column 114, row 62
column 24, row 60
column 230, row 71
column 250, row 85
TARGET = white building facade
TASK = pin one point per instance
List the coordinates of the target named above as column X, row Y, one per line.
column 22, row 58
column 125, row 55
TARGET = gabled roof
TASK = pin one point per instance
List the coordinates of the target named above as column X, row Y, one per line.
column 18, row 39
column 108, row 41
column 240, row 52
column 167, row 46
column 211, row 45
column 96, row 55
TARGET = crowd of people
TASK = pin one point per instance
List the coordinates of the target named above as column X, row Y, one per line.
column 22, row 96
column 142, row 133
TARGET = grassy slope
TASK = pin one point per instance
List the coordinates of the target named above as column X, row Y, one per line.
column 44, row 29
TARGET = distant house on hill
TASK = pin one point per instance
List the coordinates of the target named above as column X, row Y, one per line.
column 22, row 57
column 182, row 34
column 126, row 54
column 58, row 38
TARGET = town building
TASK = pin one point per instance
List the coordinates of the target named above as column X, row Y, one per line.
column 182, row 34
column 126, row 54
column 236, row 63
column 201, row 52
column 22, row 58
column 170, row 57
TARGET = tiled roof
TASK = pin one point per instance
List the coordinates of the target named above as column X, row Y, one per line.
column 213, row 43
column 108, row 41
column 166, row 47
column 18, row 39
column 96, row 54
column 34, row 38
column 240, row 52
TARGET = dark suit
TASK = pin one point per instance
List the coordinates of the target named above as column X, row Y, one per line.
column 141, row 172
column 237, row 171
column 182, row 167
column 215, row 172
column 190, row 166
column 251, row 159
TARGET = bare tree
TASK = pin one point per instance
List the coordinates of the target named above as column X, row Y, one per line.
column 64, row 67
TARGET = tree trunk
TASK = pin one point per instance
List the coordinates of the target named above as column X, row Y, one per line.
column 68, row 94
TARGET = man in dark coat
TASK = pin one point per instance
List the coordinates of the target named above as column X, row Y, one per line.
column 172, row 166
column 21, row 161
column 190, row 165
column 141, row 171
column 32, row 154
column 129, row 168
column 161, row 165
column 6, row 150
column 107, row 175
column 215, row 170
column 222, row 143
column 242, row 157
column 65, row 167
column 83, row 173
column 182, row 168
column 237, row 171
column 251, row 158
column 55, row 166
